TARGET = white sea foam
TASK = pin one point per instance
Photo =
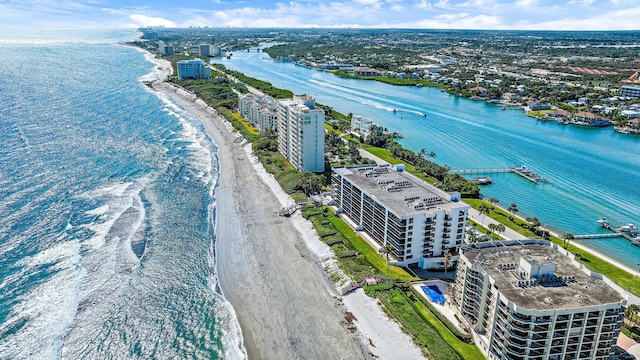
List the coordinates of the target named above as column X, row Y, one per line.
column 198, row 142
column 107, row 255
column 49, row 308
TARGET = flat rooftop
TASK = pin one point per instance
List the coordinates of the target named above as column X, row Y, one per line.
column 569, row 287
column 401, row 192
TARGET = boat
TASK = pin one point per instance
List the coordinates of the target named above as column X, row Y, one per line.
column 419, row 85
column 629, row 228
column 603, row 221
column 526, row 173
column 398, row 134
column 424, row 114
column 502, row 107
column 483, row 180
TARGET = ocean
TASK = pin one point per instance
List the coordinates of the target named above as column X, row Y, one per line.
column 107, row 208
column 592, row 173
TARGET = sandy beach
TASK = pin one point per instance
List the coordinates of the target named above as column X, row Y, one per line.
column 272, row 269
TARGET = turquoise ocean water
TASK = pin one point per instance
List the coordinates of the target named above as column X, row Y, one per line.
column 107, row 208
column 592, row 173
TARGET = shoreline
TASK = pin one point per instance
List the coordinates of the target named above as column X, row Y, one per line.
column 578, row 245
column 273, row 270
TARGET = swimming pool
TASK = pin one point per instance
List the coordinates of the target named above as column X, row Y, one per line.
column 433, row 293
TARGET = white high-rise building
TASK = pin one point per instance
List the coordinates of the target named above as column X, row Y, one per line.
column 193, row 69
column 301, row 133
column 530, row 300
column 164, row 49
column 205, row 50
column 421, row 222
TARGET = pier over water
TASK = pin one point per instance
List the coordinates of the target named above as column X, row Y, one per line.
column 522, row 171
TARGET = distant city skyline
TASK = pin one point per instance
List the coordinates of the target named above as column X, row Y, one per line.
column 421, row 14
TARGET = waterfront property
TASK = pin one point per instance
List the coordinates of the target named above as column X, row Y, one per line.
column 164, row 49
column 590, row 119
column 420, row 222
column 260, row 111
column 361, row 126
column 530, row 299
column 193, row 69
column 301, row 133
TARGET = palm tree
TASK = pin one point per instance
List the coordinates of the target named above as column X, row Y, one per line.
column 492, row 201
column 471, row 235
column 567, row 237
column 387, row 252
column 484, row 210
column 446, row 262
column 513, row 208
column 500, row 228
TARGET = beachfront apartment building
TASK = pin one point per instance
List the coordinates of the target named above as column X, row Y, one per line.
column 193, row 69
column 531, row 300
column 164, row 49
column 421, row 222
column 301, row 132
column 260, row 111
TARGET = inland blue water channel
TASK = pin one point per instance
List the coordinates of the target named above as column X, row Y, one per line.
column 591, row 172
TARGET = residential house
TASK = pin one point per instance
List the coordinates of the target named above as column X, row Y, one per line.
column 367, row 72
column 590, row 119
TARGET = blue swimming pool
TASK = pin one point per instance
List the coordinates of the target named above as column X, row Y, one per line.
column 434, row 294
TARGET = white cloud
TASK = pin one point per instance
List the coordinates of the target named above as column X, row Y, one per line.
column 526, row 3
column 144, row 20
column 581, row 2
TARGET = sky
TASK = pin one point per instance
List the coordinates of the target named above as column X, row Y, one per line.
column 416, row 14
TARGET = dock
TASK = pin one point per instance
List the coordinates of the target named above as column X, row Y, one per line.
column 596, row 236
column 624, row 232
column 480, row 171
column 521, row 171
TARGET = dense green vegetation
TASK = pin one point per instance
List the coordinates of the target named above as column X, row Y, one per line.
column 218, row 91
column 263, row 86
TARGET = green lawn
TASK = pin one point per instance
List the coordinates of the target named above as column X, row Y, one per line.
column 252, row 130
column 468, row 351
column 371, row 254
column 385, row 155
